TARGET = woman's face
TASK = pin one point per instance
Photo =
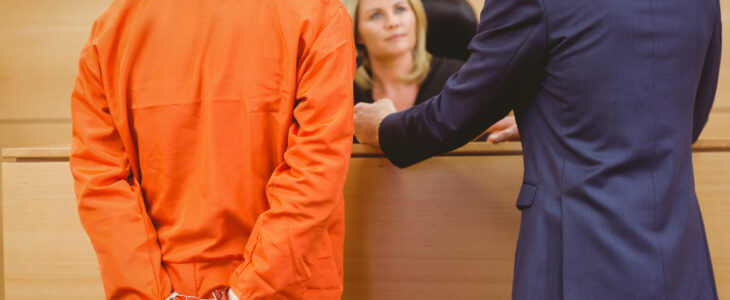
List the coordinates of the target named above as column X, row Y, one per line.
column 386, row 28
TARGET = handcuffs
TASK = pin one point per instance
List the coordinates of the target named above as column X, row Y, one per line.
column 221, row 294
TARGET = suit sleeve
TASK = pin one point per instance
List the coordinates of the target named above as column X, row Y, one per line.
column 509, row 46
column 305, row 189
column 708, row 82
column 110, row 204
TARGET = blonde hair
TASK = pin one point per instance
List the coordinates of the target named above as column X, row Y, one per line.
column 421, row 57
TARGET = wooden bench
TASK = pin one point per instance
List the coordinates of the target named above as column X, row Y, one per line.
column 442, row 229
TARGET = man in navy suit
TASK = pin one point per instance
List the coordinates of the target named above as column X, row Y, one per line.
column 609, row 96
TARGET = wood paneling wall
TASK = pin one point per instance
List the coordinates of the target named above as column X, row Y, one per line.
column 41, row 42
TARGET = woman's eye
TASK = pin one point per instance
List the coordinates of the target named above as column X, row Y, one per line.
column 376, row 16
column 400, row 9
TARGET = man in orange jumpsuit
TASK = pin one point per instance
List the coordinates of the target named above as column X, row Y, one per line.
column 211, row 141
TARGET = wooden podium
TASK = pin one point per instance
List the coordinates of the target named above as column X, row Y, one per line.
column 442, row 229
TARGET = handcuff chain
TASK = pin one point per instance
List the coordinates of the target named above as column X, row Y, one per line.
column 175, row 295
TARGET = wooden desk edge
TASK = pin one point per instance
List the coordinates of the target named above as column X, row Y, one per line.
column 41, row 154
column 58, row 153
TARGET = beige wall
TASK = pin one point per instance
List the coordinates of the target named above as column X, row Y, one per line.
column 477, row 4
column 41, row 41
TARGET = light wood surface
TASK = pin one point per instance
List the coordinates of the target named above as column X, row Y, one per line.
column 47, row 255
column 442, row 229
column 32, row 133
column 712, row 183
column 718, row 125
column 2, row 238
column 41, row 43
column 722, row 99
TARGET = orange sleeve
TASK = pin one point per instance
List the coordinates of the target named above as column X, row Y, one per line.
column 110, row 203
column 305, row 189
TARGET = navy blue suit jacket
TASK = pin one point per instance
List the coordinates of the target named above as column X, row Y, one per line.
column 609, row 96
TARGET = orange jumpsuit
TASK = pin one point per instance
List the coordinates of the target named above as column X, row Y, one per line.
column 211, row 140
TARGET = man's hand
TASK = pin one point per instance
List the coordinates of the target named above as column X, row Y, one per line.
column 367, row 120
column 503, row 130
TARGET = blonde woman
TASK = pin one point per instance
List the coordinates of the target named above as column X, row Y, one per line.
column 390, row 36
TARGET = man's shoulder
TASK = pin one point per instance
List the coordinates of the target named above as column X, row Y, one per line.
column 309, row 8
column 109, row 20
column 326, row 21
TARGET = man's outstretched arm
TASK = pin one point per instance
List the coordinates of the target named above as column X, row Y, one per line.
column 509, row 47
